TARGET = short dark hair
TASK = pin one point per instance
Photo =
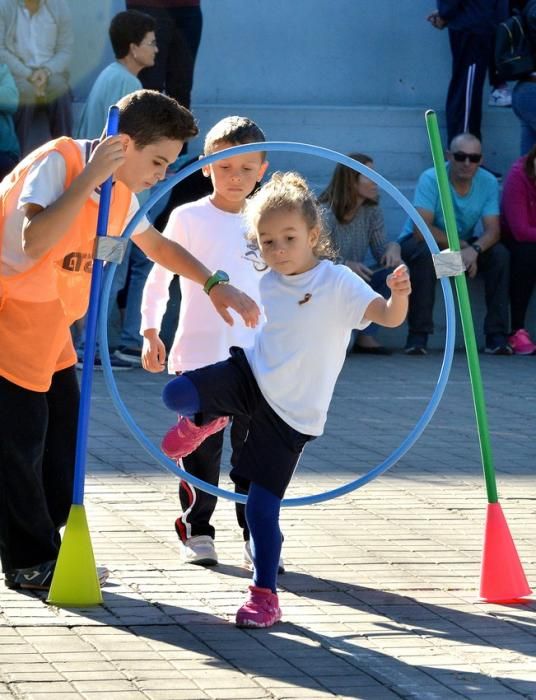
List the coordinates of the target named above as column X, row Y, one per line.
column 235, row 131
column 148, row 116
column 129, row 27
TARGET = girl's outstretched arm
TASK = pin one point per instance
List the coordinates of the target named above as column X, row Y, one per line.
column 392, row 312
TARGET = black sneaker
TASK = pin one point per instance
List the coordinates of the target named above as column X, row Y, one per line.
column 497, row 344
column 131, row 355
column 35, row 578
column 39, row 578
column 416, row 344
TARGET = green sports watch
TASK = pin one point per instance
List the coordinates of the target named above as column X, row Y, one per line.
column 218, row 277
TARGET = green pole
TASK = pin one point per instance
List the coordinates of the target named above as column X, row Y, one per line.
column 465, row 309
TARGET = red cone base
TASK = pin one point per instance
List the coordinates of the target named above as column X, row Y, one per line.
column 502, row 577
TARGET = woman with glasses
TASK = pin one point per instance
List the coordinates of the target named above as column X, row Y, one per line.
column 134, row 45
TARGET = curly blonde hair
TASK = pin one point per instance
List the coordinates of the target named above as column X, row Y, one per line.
column 288, row 191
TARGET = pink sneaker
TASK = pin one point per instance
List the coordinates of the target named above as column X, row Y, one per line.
column 185, row 437
column 521, row 343
column 260, row 610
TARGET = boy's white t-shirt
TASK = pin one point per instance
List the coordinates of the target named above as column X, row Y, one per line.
column 217, row 239
column 43, row 185
column 299, row 352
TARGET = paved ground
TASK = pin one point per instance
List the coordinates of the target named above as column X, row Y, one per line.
column 381, row 596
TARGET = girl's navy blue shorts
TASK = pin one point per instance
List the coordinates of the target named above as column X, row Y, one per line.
column 272, row 448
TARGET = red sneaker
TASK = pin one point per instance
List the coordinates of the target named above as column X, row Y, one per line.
column 521, row 343
column 185, row 437
column 260, row 610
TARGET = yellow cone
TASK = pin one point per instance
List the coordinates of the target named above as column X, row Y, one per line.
column 75, row 583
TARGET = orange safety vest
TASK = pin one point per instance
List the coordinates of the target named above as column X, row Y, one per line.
column 38, row 305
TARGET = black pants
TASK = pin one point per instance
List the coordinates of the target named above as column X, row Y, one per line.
column 198, row 506
column 37, row 452
column 493, row 264
column 522, row 280
column 178, row 34
column 467, row 49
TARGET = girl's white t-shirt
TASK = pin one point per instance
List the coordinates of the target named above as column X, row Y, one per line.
column 299, row 352
column 217, row 239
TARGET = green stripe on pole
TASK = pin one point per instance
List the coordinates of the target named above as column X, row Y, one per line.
column 465, row 308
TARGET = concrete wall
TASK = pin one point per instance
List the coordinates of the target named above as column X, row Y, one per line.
column 327, row 52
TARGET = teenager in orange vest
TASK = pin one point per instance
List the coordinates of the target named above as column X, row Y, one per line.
column 48, row 214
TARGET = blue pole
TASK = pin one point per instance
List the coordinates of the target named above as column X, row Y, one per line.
column 91, row 330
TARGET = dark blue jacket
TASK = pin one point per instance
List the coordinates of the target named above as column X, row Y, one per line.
column 476, row 16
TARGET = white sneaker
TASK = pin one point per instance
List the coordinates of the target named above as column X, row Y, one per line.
column 248, row 559
column 199, row 550
column 500, row 97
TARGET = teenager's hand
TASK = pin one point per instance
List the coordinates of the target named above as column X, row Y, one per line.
column 153, row 354
column 105, row 159
column 225, row 296
column 399, row 283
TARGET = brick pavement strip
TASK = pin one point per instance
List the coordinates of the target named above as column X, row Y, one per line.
column 381, row 596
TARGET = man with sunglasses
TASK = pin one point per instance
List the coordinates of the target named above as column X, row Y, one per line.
column 475, row 196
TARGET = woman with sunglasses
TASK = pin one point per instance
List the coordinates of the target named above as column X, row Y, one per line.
column 518, row 223
column 355, row 224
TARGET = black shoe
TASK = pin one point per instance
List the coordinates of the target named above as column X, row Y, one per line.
column 497, row 344
column 34, row 578
column 39, row 577
column 416, row 344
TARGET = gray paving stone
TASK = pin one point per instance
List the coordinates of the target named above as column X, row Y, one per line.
column 383, row 606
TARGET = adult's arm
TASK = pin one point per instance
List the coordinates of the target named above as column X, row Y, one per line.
column 439, row 235
column 60, row 61
column 7, row 19
column 9, row 95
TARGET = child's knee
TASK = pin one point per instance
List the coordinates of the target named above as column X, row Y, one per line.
column 181, row 395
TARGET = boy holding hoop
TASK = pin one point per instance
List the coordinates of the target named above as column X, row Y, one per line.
column 50, row 203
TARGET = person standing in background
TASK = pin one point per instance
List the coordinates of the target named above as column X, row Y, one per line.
column 36, row 41
column 178, row 34
column 471, row 28
column 132, row 36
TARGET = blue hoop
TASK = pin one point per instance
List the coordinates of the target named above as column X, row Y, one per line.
column 430, row 408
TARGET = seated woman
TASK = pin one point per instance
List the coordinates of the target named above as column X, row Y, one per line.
column 518, row 225
column 355, row 223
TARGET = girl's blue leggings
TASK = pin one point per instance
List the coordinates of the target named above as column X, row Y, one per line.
column 262, row 515
column 262, row 508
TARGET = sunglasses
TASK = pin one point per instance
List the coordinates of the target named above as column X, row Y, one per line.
column 461, row 157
